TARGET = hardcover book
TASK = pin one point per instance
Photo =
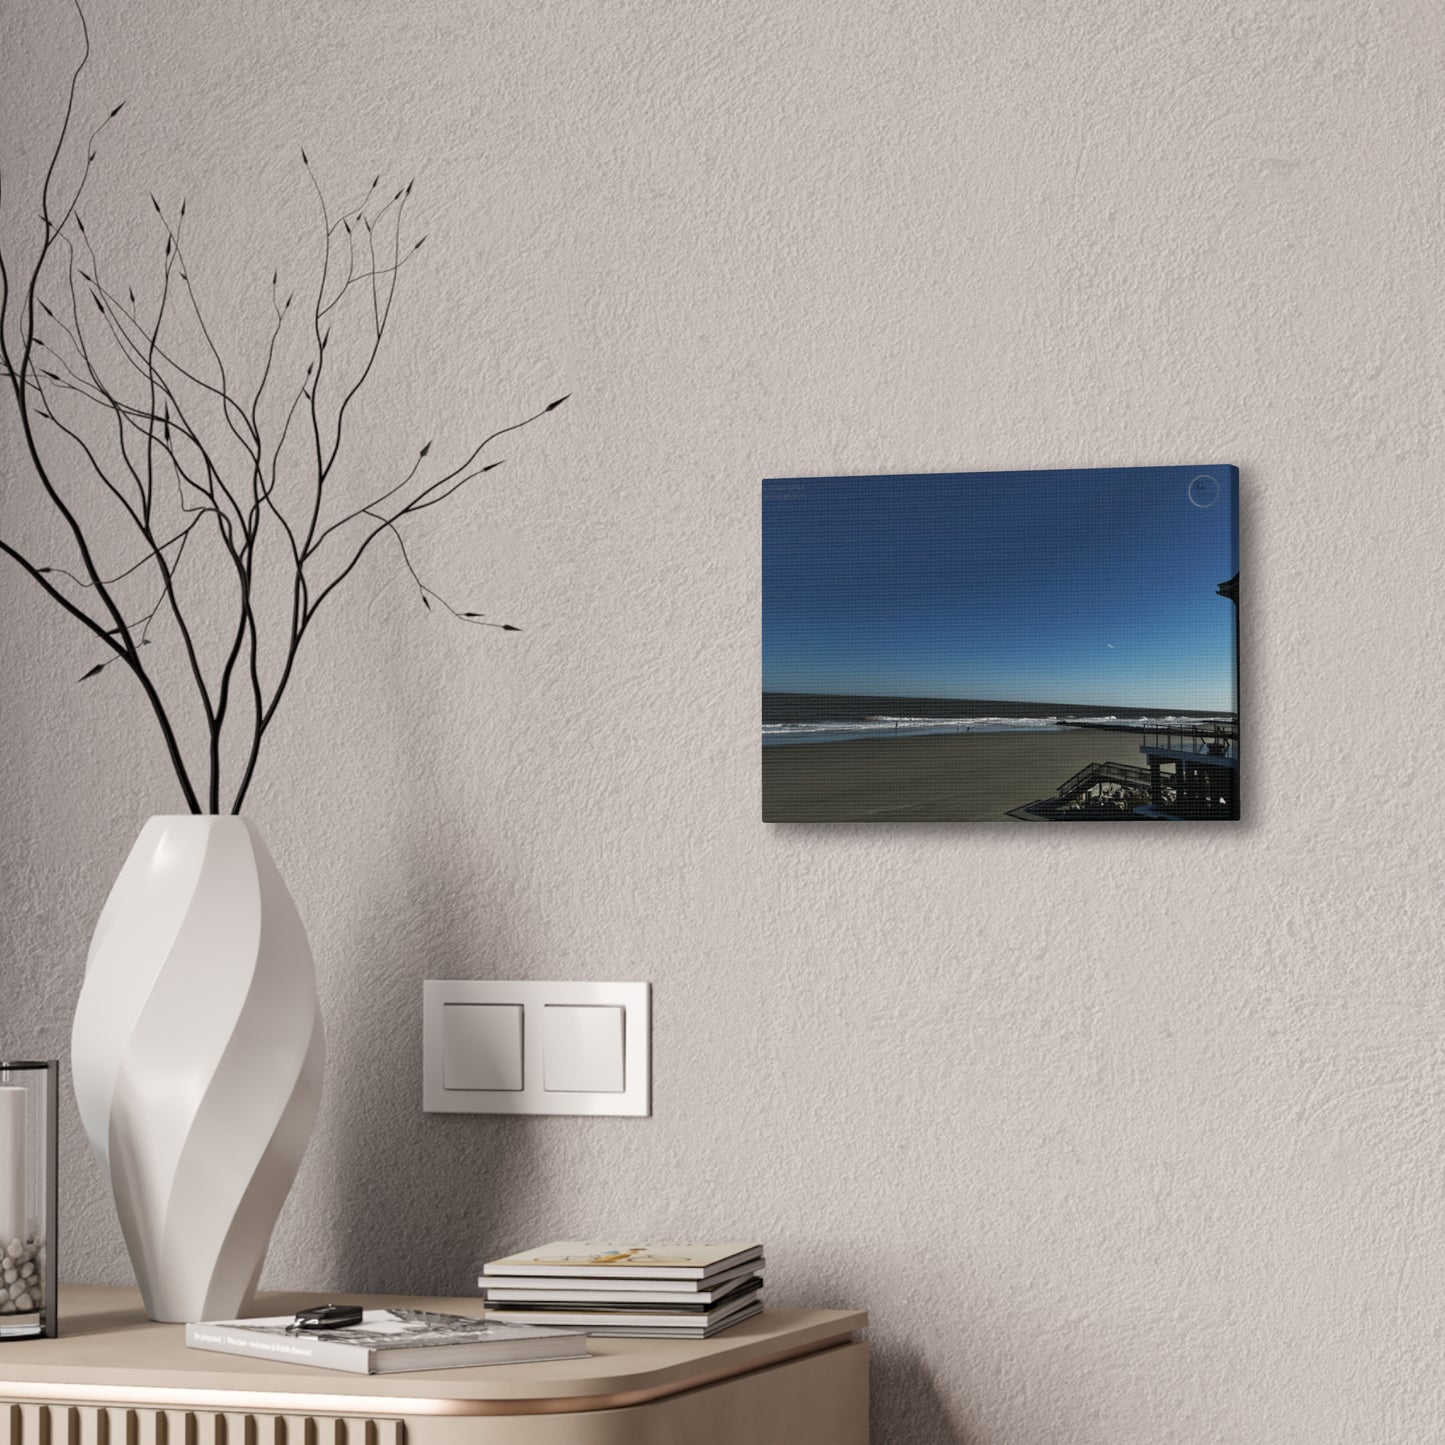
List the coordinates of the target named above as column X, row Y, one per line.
column 700, row 1309
column 628, row 1292
column 390, row 1341
column 674, row 1332
column 582, row 1259
column 654, row 1326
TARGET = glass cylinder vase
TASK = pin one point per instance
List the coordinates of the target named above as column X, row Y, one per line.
column 29, row 1138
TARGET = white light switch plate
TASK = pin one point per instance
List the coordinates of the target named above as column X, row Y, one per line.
column 585, row 1048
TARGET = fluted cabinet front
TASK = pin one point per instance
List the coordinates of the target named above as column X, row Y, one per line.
column 56, row 1424
column 197, row 1056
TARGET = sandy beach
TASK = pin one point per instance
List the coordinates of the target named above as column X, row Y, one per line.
column 963, row 777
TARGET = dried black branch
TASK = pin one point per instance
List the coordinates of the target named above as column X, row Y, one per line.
column 142, row 395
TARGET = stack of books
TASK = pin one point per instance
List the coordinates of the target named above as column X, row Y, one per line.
column 660, row 1291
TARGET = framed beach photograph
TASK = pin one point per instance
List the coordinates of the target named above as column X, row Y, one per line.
column 1045, row 646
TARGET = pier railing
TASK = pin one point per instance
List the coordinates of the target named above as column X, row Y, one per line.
column 1209, row 740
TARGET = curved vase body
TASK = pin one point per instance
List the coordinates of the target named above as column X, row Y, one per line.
column 197, row 1055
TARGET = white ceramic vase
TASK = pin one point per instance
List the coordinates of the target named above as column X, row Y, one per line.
column 197, row 1055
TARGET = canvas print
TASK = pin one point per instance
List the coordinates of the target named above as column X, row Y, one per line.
column 1049, row 646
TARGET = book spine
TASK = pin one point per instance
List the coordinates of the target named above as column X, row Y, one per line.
column 500, row 1298
column 293, row 1349
column 594, row 1322
column 547, row 1271
column 673, row 1289
column 670, row 1288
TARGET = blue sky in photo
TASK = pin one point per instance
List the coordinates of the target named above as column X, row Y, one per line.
column 1088, row 587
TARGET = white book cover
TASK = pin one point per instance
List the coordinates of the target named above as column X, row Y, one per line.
column 648, row 1291
column 389, row 1341
column 582, row 1258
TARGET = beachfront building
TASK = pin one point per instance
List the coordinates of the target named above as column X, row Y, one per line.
column 1193, row 771
column 1230, row 590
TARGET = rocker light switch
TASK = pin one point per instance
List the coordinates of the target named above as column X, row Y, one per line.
column 482, row 1046
column 582, row 1049
column 530, row 1047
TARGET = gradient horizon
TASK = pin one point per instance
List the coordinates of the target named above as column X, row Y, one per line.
column 1092, row 587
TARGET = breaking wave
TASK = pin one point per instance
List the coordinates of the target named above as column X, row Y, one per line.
column 823, row 730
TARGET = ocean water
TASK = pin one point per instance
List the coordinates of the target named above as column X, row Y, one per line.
column 802, row 718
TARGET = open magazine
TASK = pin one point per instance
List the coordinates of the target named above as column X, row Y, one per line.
column 387, row 1341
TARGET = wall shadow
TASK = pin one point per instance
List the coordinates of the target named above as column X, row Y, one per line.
column 906, row 1406
column 410, row 1202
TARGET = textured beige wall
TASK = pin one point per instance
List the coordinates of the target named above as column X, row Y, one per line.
column 1123, row 1136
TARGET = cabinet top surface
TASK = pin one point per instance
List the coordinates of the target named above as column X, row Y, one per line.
column 108, row 1350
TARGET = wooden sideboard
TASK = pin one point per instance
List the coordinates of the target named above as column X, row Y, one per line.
column 785, row 1377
